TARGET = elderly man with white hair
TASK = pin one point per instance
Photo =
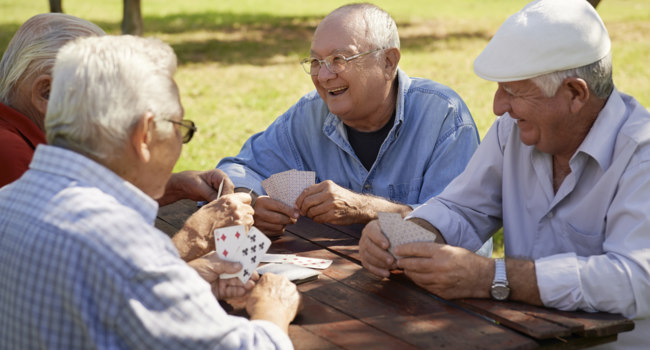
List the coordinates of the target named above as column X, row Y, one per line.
column 81, row 264
column 564, row 170
column 25, row 79
column 377, row 139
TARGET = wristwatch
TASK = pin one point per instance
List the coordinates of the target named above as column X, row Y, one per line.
column 500, row 289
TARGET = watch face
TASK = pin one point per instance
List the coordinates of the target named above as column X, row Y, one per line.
column 500, row 292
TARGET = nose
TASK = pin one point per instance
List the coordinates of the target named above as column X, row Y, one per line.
column 324, row 74
column 501, row 103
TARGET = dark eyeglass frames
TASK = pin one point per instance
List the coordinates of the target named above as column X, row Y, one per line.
column 189, row 128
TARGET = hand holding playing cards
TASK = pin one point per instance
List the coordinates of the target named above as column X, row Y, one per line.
column 196, row 237
column 209, row 267
column 272, row 216
column 274, row 299
column 373, row 249
column 327, row 202
column 447, row 271
column 196, row 185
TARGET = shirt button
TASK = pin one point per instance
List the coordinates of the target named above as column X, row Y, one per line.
column 549, row 215
column 366, row 186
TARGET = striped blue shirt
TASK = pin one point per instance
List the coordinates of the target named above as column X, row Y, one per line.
column 83, row 267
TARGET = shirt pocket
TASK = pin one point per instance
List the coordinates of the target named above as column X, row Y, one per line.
column 406, row 193
column 584, row 243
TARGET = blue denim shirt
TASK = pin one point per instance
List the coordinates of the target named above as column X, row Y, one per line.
column 431, row 141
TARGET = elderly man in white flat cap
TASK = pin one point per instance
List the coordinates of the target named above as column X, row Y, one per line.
column 565, row 170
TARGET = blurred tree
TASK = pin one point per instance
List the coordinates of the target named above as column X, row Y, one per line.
column 594, row 3
column 55, row 6
column 132, row 19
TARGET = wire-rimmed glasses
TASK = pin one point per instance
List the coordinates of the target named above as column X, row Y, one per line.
column 334, row 63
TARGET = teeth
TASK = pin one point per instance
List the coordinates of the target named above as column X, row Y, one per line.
column 337, row 89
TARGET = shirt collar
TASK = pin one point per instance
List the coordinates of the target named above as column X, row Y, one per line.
column 23, row 125
column 599, row 142
column 88, row 173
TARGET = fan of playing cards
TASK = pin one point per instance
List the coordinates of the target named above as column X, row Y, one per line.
column 399, row 231
column 288, row 185
column 233, row 243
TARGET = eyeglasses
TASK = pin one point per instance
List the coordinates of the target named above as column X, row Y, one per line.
column 190, row 128
column 335, row 63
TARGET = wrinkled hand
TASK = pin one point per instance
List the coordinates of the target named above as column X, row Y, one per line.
column 271, row 216
column 373, row 249
column 447, row 271
column 196, row 185
column 274, row 299
column 210, row 267
column 196, row 237
column 327, row 202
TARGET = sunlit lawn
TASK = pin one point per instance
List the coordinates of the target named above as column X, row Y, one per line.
column 238, row 65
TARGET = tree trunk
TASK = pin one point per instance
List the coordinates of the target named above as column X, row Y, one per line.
column 55, row 6
column 132, row 20
column 594, row 3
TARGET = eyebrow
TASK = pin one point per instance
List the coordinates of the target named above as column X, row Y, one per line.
column 337, row 51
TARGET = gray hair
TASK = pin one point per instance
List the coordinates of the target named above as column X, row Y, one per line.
column 598, row 76
column 381, row 30
column 33, row 48
column 103, row 86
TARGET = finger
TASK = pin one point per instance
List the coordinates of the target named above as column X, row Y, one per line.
column 373, row 232
column 228, row 267
column 309, row 191
column 418, row 249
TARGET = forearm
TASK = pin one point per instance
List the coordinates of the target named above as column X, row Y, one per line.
column 523, row 281
column 370, row 205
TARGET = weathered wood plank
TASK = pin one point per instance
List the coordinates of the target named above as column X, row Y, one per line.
column 543, row 323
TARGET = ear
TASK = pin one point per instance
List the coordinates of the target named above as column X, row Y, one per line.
column 391, row 60
column 142, row 136
column 41, row 92
column 579, row 93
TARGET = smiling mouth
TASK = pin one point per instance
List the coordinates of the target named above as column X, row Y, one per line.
column 337, row 91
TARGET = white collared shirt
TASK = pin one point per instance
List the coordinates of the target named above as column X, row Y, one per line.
column 590, row 240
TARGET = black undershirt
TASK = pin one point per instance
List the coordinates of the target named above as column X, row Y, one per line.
column 366, row 144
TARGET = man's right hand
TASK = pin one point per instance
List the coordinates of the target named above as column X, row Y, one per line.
column 196, row 237
column 271, row 216
column 274, row 298
column 373, row 249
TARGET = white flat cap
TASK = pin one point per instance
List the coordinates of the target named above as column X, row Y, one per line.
column 544, row 37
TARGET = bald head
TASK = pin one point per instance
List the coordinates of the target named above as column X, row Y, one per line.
column 367, row 24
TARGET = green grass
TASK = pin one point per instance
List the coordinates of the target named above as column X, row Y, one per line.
column 238, row 65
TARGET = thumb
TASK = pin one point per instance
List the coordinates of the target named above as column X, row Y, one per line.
column 230, row 267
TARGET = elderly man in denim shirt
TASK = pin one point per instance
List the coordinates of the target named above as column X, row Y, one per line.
column 377, row 139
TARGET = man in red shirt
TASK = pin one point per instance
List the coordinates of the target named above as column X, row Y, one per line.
column 25, row 78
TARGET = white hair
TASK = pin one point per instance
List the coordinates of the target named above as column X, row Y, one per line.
column 33, row 48
column 598, row 76
column 381, row 30
column 101, row 89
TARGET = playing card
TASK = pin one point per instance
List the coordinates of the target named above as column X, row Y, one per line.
column 399, row 231
column 227, row 241
column 288, row 185
column 251, row 250
column 296, row 274
column 276, row 258
column 313, row 263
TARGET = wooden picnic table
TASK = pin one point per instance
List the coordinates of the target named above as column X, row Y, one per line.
column 348, row 307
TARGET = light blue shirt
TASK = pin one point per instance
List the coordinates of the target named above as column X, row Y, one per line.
column 431, row 141
column 590, row 240
column 82, row 267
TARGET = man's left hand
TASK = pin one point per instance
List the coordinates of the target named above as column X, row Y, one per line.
column 447, row 271
column 327, row 202
column 209, row 267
